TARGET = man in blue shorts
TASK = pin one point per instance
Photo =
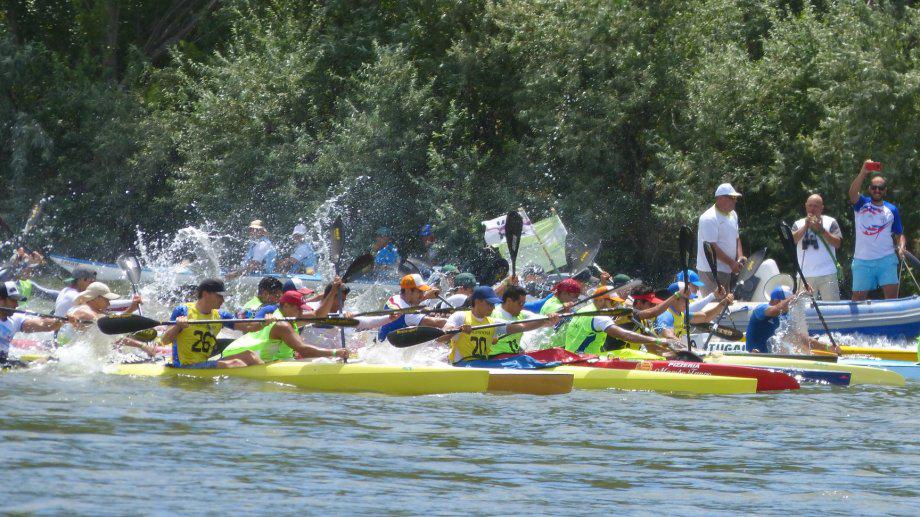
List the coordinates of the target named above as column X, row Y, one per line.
column 878, row 227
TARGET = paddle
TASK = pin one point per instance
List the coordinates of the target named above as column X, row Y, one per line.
column 729, row 333
column 36, row 314
column 910, row 262
column 514, row 226
column 684, row 243
column 585, row 259
column 709, row 251
column 411, row 336
column 132, row 268
column 360, row 266
column 127, row 324
column 337, row 242
column 619, row 292
column 785, row 236
column 415, row 309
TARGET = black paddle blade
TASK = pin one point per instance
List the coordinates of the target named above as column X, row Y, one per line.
column 514, row 227
column 584, row 257
column 336, row 241
column 729, row 333
column 125, row 324
column 709, row 251
column 360, row 266
column 145, row 336
column 411, row 336
column 685, row 245
column 688, row 356
column 785, row 238
column 752, row 265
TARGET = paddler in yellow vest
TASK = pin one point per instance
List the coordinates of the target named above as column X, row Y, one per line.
column 511, row 310
column 477, row 344
column 279, row 340
column 671, row 323
column 587, row 334
column 193, row 345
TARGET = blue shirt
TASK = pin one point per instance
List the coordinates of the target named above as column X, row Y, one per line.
column 263, row 252
column 761, row 328
column 182, row 310
column 305, row 256
column 387, row 256
column 875, row 225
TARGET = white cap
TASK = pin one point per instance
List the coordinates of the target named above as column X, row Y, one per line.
column 726, row 189
column 95, row 290
column 300, row 229
column 256, row 225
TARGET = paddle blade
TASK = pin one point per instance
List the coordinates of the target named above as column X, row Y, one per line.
column 688, row 356
column 336, row 241
column 125, row 324
column 709, row 251
column 752, row 265
column 411, row 336
column 514, row 226
column 145, row 336
column 131, row 266
column 584, row 257
column 359, row 267
column 728, row 333
column 685, row 245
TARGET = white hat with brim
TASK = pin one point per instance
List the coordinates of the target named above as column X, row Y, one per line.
column 257, row 225
column 95, row 290
column 726, row 189
column 300, row 229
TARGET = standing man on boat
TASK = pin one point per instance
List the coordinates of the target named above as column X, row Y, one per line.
column 719, row 226
column 303, row 256
column 79, row 280
column 261, row 254
column 766, row 318
column 193, row 345
column 818, row 237
column 878, row 227
column 12, row 323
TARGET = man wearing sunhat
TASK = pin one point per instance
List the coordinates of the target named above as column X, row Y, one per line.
column 303, row 256
column 719, row 226
column 766, row 318
column 261, row 254
column 79, row 280
column 12, row 323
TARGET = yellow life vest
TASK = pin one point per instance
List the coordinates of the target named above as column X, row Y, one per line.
column 195, row 344
column 475, row 345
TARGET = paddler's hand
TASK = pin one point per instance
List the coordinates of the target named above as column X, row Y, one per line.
column 512, row 280
column 182, row 323
column 727, row 300
column 340, row 353
column 567, row 306
column 736, row 266
column 553, row 320
column 136, row 302
column 605, row 278
column 466, row 329
column 434, row 292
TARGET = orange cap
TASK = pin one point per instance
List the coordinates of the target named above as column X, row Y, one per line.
column 610, row 294
column 414, row 281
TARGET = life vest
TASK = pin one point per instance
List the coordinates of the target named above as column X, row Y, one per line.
column 260, row 341
column 580, row 336
column 195, row 344
column 475, row 345
column 509, row 343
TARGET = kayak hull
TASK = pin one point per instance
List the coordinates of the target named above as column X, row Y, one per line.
column 858, row 374
column 766, row 380
column 893, row 354
column 531, row 382
column 908, row 369
column 588, row 378
column 337, row 377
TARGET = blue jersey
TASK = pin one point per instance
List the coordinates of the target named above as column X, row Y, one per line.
column 387, row 256
column 761, row 328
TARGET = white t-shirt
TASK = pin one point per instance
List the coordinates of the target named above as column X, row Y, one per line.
column 396, row 302
column 814, row 258
column 65, row 301
column 455, row 300
column 331, row 337
column 874, row 227
column 8, row 328
column 721, row 229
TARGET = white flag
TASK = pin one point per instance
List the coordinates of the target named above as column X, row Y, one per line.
column 495, row 229
column 542, row 243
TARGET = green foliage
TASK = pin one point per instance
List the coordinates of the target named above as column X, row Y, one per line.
column 621, row 115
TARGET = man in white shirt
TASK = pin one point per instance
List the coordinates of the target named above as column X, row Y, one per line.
column 11, row 323
column 818, row 237
column 719, row 225
column 303, row 256
column 261, row 254
column 78, row 282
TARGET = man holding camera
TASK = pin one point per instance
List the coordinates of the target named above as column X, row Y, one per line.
column 878, row 227
column 818, row 237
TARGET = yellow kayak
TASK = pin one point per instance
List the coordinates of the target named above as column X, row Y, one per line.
column 337, row 377
column 892, row 354
column 532, row 382
column 858, row 374
column 587, row 378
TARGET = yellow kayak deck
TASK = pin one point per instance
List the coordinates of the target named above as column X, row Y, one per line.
column 893, row 354
column 858, row 374
column 587, row 378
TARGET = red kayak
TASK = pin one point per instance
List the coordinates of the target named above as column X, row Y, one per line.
column 766, row 380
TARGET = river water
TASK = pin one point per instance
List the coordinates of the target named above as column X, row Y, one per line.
column 90, row 443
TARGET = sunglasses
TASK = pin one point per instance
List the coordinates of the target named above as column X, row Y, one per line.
column 878, row 187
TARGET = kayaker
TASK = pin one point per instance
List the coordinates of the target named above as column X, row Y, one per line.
column 303, row 257
column 193, row 345
column 464, row 284
column 766, row 318
column 565, row 292
column 588, row 334
column 93, row 303
column 471, row 344
column 11, row 323
column 386, row 256
column 670, row 324
column 325, row 336
column 79, row 280
column 511, row 310
column 280, row 340
column 818, row 237
column 267, row 293
column 260, row 255
column 878, row 227
column 719, row 226
column 430, row 244
column 412, row 292
column 695, row 283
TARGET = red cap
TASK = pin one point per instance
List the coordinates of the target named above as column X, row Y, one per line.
column 649, row 297
column 292, row 297
column 569, row 285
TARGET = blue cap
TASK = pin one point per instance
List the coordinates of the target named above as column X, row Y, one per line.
column 425, row 231
column 780, row 293
column 694, row 278
column 485, row 292
column 673, row 288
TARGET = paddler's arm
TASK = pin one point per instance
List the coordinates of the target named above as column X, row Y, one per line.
column 41, row 325
column 814, row 344
column 710, row 313
column 622, row 334
column 285, row 332
column 654, row 312
column 499, row 288
column 514, row 328
column 323, row 310
column 775, row 310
